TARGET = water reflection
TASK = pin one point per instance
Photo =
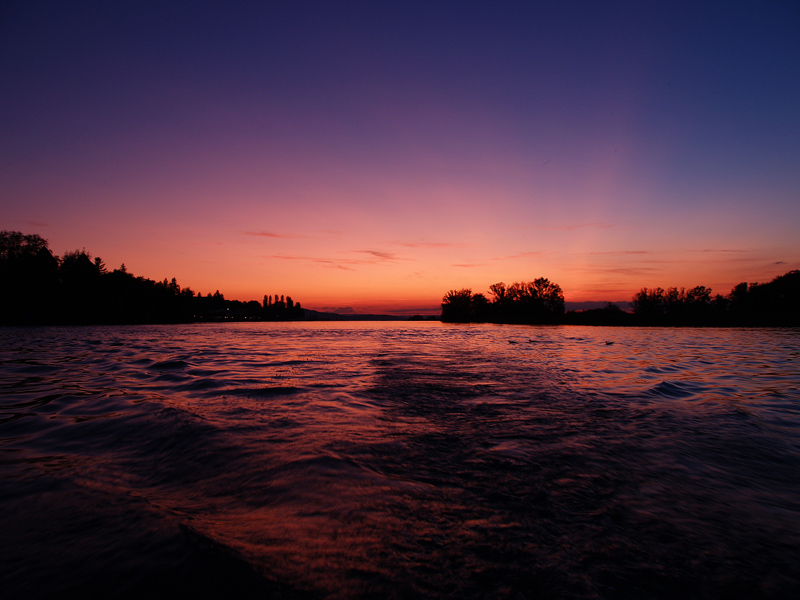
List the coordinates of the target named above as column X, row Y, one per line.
column 406, row 460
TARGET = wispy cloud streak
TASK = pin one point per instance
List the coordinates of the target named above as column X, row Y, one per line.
column 617, row 253
column 573, row 227
column 519, row 255
column 380, row 255
column 272, row 234
column 431, row 244
column 326, row 262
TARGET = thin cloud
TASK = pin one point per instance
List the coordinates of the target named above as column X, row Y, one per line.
column 721, row 250
column 345, row 264
column 741, row 259
column 618, row 271
column 520, row 255
column 694, row 256
column 618, row 253
column 631, row 270
column 430, row 244
column 381, row 255
column 272, row 234
column 333, row 264
column 36, row 223
column 573, row 227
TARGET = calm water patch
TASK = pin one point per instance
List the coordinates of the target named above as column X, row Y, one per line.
column 399, row 460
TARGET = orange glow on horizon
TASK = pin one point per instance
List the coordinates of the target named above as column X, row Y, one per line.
column 381, row 168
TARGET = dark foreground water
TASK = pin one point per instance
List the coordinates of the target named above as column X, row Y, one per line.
column 377, row 460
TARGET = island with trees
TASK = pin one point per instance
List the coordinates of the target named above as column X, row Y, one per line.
column 537, row 301
column 772, row 304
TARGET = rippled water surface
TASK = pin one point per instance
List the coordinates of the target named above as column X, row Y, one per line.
column 399, row 460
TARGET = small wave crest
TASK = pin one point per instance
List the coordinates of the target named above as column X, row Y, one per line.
column 676, row 389
column 169, row 365
column 265, row 392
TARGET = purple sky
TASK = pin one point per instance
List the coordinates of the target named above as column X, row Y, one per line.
column 378, row 154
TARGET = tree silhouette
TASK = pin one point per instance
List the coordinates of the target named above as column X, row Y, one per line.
column 29, row 279
column 537, row 301
column 457, row 306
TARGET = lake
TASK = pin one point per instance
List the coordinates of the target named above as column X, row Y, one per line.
column 399, row 460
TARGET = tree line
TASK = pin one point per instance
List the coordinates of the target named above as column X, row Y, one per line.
column 37, row 287
column 772, row 304
column 776, row 303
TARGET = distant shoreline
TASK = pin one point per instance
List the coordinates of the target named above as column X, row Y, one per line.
column 42, row 289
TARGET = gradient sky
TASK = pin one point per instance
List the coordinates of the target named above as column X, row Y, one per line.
column 378, row 154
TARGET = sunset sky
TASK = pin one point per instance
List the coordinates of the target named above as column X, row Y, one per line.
column 377, row 154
